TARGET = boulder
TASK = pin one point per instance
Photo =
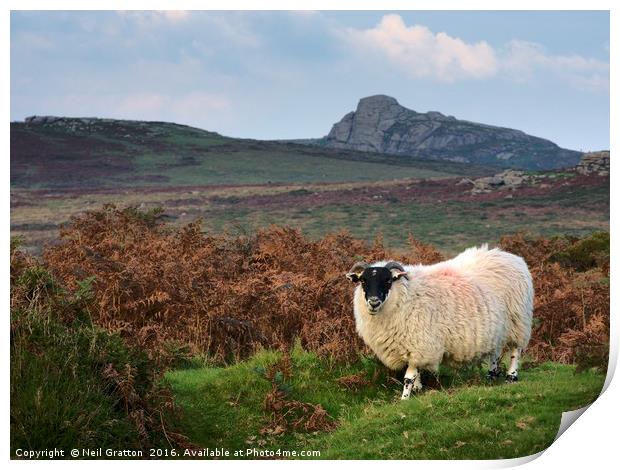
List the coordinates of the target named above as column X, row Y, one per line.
column 509, row 179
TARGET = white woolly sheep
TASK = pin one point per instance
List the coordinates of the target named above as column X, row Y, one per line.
column 469, row 307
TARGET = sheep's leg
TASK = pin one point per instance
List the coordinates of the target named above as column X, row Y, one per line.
column 494, row 370
column 413, row 383
column 512, row 375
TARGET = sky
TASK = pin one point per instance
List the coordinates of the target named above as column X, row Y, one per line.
column 283, row 75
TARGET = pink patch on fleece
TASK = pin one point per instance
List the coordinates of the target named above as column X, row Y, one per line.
column 448, row 272
column 454, row 278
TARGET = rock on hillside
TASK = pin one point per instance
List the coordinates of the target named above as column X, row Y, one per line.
column 509, row 179
column 109, row 127
column 381, row 124
column 594, row 162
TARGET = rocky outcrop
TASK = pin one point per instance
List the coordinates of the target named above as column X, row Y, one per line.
column 594, row 163
column 381, row 124
column 509, row 179
column 134, row 131
column 69, row 124
column 41, row 119
column 61, row 120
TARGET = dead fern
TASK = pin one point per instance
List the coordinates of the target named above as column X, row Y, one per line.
column 227, row 296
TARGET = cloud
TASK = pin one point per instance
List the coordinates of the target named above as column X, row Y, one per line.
column 32, row 42
column 304, row 13
column 149, row 18
column 188, row 105
column 231, row 27
column 423, row 54
column 420, row 53
column 141, row 104
column 523, row 60
column 205, row 110
column 235, row 29
column 175, row 15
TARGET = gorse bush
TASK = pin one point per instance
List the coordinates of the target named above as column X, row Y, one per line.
column 585, row 254
column 178, row 293
column 73, row 384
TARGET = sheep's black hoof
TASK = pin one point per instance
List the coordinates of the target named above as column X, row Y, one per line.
column 492, row 375
column 512, row 378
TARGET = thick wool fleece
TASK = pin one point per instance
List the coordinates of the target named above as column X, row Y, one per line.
column 455, row 311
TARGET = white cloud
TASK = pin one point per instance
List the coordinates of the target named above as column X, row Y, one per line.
column 229, row 28
column 31, row 42
column 148, row 18
column 175, row 16
column 423, row 54
column 141, row 104
column 188, row 105
column 233, row 28
column 207, row 110
column 304, row 13
column 420, row 53
column 522, row 60
column 198, row 102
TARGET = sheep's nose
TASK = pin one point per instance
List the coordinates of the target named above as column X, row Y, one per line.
column 374, row 302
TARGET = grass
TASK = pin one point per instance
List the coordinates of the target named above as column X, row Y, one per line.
column 462, row 419
column 223, row 406
column 451, row 225
column 472, row 422
column 256, row 166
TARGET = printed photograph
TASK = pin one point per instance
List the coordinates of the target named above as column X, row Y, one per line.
column 297, row 235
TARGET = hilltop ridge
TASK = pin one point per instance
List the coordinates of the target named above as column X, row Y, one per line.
column 88, row 153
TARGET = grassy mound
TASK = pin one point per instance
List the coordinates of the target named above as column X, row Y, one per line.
column 457, row 417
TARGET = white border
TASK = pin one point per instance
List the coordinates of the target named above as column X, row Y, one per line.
column 590, row 443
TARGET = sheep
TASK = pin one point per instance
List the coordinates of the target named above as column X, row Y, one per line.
column 457, row 311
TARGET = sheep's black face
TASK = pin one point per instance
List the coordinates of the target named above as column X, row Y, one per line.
column 376, row 283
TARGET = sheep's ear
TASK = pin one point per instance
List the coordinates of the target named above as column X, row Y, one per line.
column 396, row 275
column 355, row 272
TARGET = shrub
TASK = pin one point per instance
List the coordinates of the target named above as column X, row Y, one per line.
column 585, row 254
column 73, row 384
